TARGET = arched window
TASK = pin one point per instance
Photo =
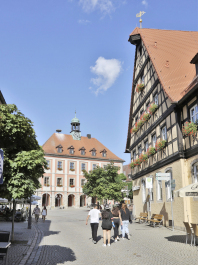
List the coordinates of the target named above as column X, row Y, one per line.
column 143, row 190
column 169, row 193
column 195, row 172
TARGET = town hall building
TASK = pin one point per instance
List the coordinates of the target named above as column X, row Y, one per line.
column 67, row 156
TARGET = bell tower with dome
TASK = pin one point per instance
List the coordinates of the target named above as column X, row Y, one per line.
column 75, row 128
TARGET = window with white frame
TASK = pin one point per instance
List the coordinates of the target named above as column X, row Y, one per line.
column 194, row 113
column 82, row 182
column 134, row 156
column 146, row 146
column 143, row 190
column 156, row 99
column 159, row 190
column 82, row 152
column 169, row 193
column 71, row 182
column 195, row 173
column 71, row 166
column 59, row 165
column 46, row 181
column 164, row 133
column 82, row 166
column 154, row 139
column 94, row 166
column 59, row 182
column 48, row 164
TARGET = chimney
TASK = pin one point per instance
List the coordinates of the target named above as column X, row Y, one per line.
column 58, row 131
column 195, row 61
column 89, row 136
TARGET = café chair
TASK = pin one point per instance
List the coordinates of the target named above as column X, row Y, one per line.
column 195, row 229
column 188, row 232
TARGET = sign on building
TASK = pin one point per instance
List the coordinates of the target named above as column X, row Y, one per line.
column 149, row 183
column 1, row 166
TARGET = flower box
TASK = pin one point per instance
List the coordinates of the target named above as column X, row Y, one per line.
column 143, row 157
column 140, row 88
column 160, row 144
column 146, row 116
column 48, row 168
column 72, row 169
column 151, row 151
column 59, row 185
column 137, row 162
column 60, row 168
column 46, row 185
column 132, row 165
column 135, row 128
column 152, row 108
column 190, row 128
column 72, row 186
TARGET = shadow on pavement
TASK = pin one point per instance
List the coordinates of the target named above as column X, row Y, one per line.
column 56, row 254
column 179, row 239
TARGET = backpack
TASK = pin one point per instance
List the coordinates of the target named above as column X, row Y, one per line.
column 105, row 215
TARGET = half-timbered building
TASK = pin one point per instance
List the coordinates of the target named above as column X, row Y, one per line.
column 162, row 131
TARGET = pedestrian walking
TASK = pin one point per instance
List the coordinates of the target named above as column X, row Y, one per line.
column 126, row 218
column 107, row 219
column 94, row 215
column 117, row 221
column 36, row 211
column 44, row 213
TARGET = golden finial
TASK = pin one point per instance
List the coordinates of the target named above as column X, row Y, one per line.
column 139, row 15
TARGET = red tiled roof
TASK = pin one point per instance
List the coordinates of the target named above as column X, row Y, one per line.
column 171, row 57
column 66, row 141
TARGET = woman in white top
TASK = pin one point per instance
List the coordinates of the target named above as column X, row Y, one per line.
column 44, row 213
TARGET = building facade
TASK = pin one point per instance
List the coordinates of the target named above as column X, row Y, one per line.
column 67, row 156
column 2, row 100
column 160, row 139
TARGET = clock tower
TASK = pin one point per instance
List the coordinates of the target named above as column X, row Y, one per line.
column 75, row 128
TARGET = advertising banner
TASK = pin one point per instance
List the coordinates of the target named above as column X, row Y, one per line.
column 1, row 166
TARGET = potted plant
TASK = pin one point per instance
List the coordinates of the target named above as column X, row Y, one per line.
column 151, row 151
column 137, row 162
column 146, row 116
column 72, row 169
column 152, row 108
column 135, row 128
column 132, row 165
column 143, row 157
column 140, row 122
column 190, row 128
column 72, row 186
column 160, row 144
column 140, row 87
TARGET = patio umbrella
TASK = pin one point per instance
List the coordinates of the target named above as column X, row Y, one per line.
column 34, row 197
column 188, row 191
column 35, row 203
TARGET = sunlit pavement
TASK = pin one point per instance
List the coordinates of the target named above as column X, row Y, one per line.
column 65, row 239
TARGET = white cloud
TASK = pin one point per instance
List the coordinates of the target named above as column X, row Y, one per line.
column 145, row 3
column 83, row 21
column 105, row 6
column 107, row 71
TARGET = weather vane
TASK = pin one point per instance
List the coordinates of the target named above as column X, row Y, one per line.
column 139, row 15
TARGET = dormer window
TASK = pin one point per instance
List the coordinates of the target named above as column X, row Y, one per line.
column 59, row 148
column 71, row 150
column 104, row 153
column 93, row 152
column 82, row 151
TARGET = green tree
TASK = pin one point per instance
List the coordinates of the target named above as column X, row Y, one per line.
column 24, row 160
column 104, row 183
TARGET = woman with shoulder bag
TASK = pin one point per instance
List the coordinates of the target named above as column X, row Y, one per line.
column 107, row 219
column 126, row 218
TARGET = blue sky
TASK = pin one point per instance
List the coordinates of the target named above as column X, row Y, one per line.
column 58, row 56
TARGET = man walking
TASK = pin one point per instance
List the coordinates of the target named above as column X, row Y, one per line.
column 36, row 211
column 94, row 215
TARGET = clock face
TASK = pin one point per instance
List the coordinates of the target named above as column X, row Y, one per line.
column 76, row 135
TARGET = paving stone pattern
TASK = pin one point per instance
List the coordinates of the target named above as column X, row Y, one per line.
column 65, row 239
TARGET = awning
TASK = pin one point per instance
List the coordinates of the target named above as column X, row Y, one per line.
column 3, row 200
column 188, row 191
column 135, row 188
